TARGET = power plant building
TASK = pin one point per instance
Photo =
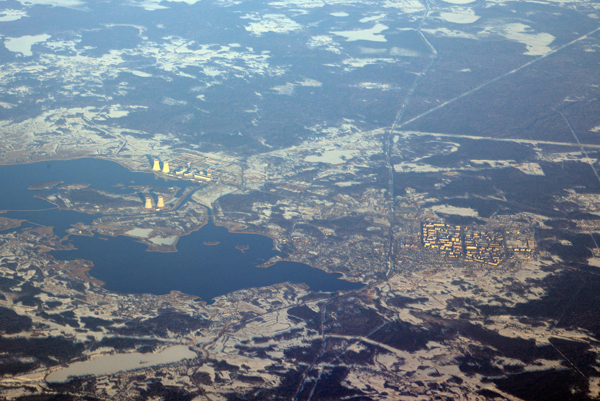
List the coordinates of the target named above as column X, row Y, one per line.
column 203, row 175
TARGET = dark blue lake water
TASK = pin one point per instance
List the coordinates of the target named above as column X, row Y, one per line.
column 124, row 264
column 101, row 174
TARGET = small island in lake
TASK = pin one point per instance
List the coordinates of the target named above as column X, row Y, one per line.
column 242, row 248
column 79, row 185
column 40, row 186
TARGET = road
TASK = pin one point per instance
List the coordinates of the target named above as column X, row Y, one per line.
column 485, row 84
column 389, row 138
column 489, row 138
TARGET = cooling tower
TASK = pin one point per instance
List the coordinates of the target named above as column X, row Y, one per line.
column 166, row 167
column 148, row 203
column 161, row 202
column 156, row 165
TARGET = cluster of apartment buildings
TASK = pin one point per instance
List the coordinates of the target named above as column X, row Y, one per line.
column 521, row 242
column 462, row 242
column 443, row 237
column 484, row 247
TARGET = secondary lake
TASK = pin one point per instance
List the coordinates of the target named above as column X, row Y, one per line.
column 124, row 264
column 110, row 364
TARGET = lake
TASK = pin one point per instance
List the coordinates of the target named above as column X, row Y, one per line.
column 125, row 265
column 110, row 364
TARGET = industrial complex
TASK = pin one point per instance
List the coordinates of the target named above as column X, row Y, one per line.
column 200, row 171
